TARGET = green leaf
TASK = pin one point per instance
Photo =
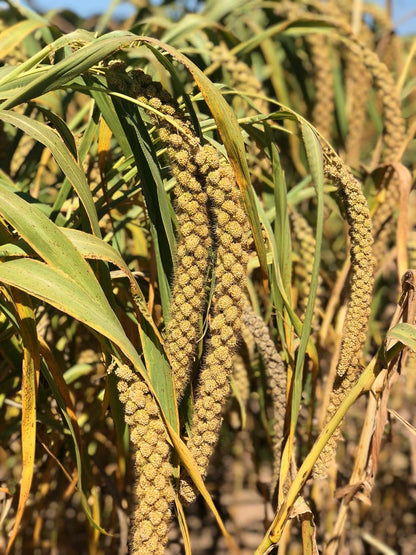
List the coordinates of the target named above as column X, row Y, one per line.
column 12, row 77
column 160, row 374
column 51, row 139
column 314, row 155
column 12, row 36
column 405, row 333
column 282, row 227
column 154, row 192
column 49, row 242
column 52, row 286
column 106, row 106
column 62, row 129
column 71, row 67
column 93, row 248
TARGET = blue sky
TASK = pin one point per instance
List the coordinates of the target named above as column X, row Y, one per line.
column 86, row 8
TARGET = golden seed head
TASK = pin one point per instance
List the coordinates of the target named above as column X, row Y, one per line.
column 185, row 326
column 200, row 252
column 186, row 309
column 193, row 207
column 145, row 530
column 161, row 505
column 179, row 300
column 122, row 386
column 195, row 302
column 235, row 292
column 227, row 334
column 164, row 134
column 229, row 206
column 124, row 373
column 141, row 417
column 156, row 458
column 198, row 282
column 169, row 110
column 151, row 437
column 228, row 261
column 225, row 303
column 240, row 216
column 181, row 158
column 237, row 270
column 218, row 196
column 155, row 517
column 145, row 449
column 201, row 263
column 193, row 273
column 138, row 399
column 183, row 279
column 210, row 385
column 210, row 437
column 222, row 353
column 151, row 408
column 226, row 240
column 222, row 219
column 160, row 482
column 136, row 434
column 217, row 322
column 189, row 291
column 220, row 394
column 149, row 471
column 191, row 243
column 130, row 407
column 206, row 448
column 234, row 229
column 149, row 498
column 216, row 341
column 175, row 140
column 184, row 177
column 155, row 103
column 162, row 529
column 213, row 178
column 231, row 314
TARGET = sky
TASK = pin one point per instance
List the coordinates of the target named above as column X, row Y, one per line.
column 86, row 8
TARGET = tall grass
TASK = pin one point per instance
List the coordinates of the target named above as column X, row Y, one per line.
column 205, row 286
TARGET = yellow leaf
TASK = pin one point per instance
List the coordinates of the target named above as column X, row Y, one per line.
column 30, row 376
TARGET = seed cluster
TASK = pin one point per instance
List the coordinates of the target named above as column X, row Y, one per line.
column 394, row 133
column 194, row 242
column 153, row 487
column 358, row 85
column 241, row 379
column 231, row 228
column 277, row 380
column 322, row 114
column 358, row 218
column 208, row 205
column 305, row 240
column 362, row 267
column 243, row 79
column 391, row 52
column 383, row 80
column 188, row 290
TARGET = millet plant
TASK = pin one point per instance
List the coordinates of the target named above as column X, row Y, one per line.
column 207, row 304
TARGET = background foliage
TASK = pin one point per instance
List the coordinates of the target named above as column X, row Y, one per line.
column 89, row 230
